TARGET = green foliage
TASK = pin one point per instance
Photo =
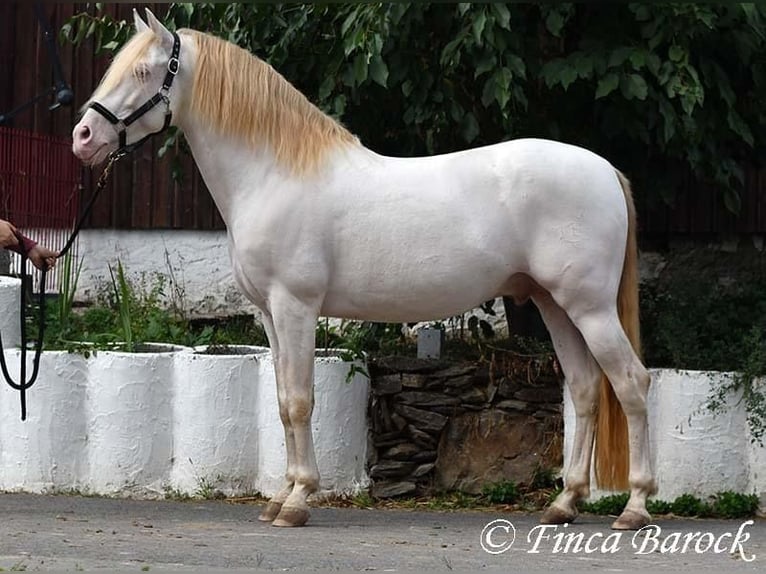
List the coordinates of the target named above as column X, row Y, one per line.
column 123, row 296
column 658, row 88
column 734, row 505
column 689, row 505
column 658, row 507
column 543, row 477
column 611, row 505
column 723, row 505
column 132, row 311
column 67, row 289
column 504, row 492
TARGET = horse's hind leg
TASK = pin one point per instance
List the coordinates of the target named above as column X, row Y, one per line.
column 583, row 377
column 610, row 346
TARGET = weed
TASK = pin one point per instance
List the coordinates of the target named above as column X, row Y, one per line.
column 504, row 492
column 543, row 478
column 206, row 489
column 734, row 505
column 658, row 507
column 723, row 505
column 610, row 505
column 363, row 500
column 689, row 505
column 175, row 494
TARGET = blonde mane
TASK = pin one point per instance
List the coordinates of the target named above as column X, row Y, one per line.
column 236, row 93
column 125, row 62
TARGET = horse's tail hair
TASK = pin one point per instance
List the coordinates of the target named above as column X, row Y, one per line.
column 612, row 456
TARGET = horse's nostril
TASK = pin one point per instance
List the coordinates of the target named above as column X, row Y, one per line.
column 84, row 133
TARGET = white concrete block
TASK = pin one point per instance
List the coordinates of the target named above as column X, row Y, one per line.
column 129, row 410
column 214, row 420
column 693, row 451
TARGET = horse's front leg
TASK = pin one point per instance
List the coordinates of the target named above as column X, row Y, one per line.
column 270, row 512
column 294, row 324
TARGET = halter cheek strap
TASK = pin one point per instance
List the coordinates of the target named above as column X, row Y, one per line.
column 161, row 96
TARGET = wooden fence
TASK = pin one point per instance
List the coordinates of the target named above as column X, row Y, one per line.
column 144, row 193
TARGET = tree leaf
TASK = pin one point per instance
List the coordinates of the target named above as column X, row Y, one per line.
column 554, row 22
column 485, row 64
column 469, row 127
column 360, row 68
column 732, row 200
column 502, row 14
column 478, row 26
column 676, row 53
column 637, row 86
column 326, row 88
column 379, row 71
column 568, row 76
column 607, row 85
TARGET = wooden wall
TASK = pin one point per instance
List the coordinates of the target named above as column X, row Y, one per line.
column 143, row 193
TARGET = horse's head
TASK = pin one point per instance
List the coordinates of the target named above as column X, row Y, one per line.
column 136, row 98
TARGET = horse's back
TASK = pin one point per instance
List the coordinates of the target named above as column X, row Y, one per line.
column 430, row 237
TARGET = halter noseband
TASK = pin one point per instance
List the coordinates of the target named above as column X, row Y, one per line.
column 160, row 96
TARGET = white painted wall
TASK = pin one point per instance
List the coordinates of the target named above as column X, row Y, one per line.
column 10, row 289
column 693, row 451
column 194, row 262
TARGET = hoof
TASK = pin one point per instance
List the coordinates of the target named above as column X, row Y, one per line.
column 291, row 516
column 631, row 520
column 555, row 515
column 270, row 512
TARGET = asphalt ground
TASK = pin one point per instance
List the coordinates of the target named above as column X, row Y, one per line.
column 72, row 533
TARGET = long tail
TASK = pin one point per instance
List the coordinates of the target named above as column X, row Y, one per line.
column 612, row 462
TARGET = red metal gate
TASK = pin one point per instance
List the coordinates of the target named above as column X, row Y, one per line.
column 40, row 185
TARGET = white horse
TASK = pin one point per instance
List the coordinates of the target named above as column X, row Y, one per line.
column 320, row 225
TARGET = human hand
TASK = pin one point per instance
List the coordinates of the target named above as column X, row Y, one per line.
column 42, row 257
column 7, row 234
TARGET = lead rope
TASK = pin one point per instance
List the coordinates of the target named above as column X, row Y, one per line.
column 23, row 385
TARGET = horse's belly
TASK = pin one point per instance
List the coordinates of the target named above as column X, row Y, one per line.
column 421, row 296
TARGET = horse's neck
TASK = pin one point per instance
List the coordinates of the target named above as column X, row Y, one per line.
column 231, row 169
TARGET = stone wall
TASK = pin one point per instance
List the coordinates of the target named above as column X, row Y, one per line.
column 439, row 426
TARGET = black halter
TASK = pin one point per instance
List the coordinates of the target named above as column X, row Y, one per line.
column 160, row 96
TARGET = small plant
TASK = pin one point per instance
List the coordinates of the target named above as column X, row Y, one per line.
column 611, row 505
column 206, row 489
column 543, row 478
column 175, row 494
column 504, row 492
column 658, row 507
column 734, row 505
column 689, row 505
column 363, row 500
column 67, row 289
column 123, row 296
column 723, row 505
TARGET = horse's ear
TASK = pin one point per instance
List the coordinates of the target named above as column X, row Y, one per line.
column 158, row 28
column 141, row 26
